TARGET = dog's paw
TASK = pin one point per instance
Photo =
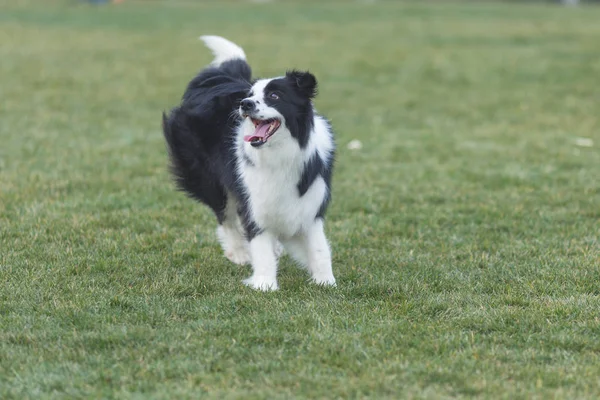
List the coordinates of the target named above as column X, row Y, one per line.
column 238, row 255
column 261, row 283
column 324, row 280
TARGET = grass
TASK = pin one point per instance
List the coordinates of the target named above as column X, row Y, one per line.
column 465, row 232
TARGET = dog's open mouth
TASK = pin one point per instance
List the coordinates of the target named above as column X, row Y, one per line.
column 264, row 129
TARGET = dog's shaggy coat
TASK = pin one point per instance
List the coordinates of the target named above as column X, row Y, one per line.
column 260, row 157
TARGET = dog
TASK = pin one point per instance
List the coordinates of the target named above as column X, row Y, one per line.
column 257, row 153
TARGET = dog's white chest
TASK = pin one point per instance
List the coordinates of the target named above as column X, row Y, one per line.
column 275, row 202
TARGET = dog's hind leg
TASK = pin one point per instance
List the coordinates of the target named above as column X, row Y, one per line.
column 311, row 250
column 234, row 243
column 296, row 248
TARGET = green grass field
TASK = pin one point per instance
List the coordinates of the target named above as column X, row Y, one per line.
column 465, row 232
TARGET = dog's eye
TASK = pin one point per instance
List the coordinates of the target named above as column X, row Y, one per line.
column 273, row 96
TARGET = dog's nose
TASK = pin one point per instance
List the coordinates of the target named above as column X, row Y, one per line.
column 247, row 105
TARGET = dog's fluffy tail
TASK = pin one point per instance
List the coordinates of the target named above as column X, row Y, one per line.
column 223, row 49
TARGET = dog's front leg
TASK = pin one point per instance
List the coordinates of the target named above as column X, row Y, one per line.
column 264, row 262
column 319, row 254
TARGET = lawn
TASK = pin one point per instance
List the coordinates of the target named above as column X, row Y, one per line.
column 465, row 232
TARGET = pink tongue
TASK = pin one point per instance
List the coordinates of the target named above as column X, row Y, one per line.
column 259, row 133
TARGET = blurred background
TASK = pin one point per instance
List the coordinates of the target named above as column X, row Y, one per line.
column 464, row 223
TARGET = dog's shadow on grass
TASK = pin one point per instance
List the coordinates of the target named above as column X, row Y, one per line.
column 204, row 271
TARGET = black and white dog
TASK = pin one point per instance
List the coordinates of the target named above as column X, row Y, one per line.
column 259, row 156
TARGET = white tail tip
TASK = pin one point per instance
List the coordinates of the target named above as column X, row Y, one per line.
column 223, row 49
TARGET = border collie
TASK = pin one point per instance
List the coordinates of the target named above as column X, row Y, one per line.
column 259, row 156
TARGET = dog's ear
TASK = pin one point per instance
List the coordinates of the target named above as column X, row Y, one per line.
column 304, row 81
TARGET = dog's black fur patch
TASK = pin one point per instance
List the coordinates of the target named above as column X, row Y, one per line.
column 201, row 133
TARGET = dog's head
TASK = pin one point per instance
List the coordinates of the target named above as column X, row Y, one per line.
column 279, row 107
